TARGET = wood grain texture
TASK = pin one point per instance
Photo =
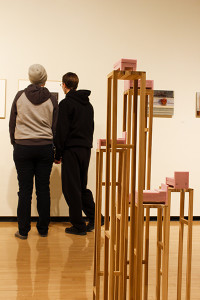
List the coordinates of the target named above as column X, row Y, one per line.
column 61, row 266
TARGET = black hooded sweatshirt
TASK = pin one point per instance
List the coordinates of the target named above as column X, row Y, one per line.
column 75, row 124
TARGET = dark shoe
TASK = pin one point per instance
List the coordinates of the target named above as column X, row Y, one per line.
column 22, row 237
column 90, row 225
column 43, row 234
column 74, row 230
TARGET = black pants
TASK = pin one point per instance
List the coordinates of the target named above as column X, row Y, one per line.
column 75, row 162
column 30, row 162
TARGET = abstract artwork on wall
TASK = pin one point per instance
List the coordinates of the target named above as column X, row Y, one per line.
column 2, row 98
column 53, row 86
column 198, row 104
column 163, row 104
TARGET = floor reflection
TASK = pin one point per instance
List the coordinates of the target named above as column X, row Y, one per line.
column 23, row 264
column 33, row 270
column 77, row 269
column 58, row 267
column 42, row 273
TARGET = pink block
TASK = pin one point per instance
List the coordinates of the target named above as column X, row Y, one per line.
column 164, row 192
column 180, row 180
column 154, row 196
column 150, row 196
column 128, row 84
column 102, row 142
column 125, row 64
column 170, row 181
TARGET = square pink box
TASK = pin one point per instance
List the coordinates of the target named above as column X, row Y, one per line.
column 128, row 84
column 179, row 181
column 125, row 64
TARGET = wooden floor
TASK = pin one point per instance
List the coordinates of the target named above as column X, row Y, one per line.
column 61, row 266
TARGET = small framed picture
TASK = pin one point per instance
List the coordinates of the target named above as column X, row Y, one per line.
column 2, row 98
column 163, row 104
column 198, row 104
column 56, row 95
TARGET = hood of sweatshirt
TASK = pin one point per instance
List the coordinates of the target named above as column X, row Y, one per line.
column 81, row 96
column 37, row 94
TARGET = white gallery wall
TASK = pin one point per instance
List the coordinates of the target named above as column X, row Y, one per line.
column 88, row 37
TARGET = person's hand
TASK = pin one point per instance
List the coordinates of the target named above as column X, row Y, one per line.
column 57, row 162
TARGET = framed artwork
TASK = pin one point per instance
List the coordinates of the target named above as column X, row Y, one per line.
column 163, row 104
column 198, row 104
column 2, row 98
column 55, row 95
column 53, row 86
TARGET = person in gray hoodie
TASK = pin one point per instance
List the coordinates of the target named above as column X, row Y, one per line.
column 32, row 128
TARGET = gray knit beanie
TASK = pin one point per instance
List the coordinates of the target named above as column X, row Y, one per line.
column 37, row 74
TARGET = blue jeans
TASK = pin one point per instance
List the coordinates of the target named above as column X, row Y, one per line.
column 30, row 162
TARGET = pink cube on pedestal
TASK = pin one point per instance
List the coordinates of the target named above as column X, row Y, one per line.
column 102, row 142
column 154, row 196
column 128, row 84
column 125, row 64
column 180, row 180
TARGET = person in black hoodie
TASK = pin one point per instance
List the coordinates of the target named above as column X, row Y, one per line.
column 32, row 129
column 73, row 142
